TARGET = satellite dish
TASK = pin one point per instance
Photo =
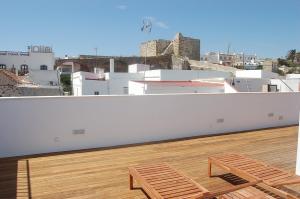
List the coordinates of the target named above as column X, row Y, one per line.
column 147, row 26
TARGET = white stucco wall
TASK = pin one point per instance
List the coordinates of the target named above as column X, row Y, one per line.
column 298, row 153
column 184, row 75
column 34, row 60
column 250, row 84
column 228, row 88
column 43, row 77
column 255, row 74
column 286, row 85
column 293, row 76
column 139, row 88
column 135, row 68
column 49, row 124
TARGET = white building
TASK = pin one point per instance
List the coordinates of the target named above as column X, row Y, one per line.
column 262, row 81
column 256, row 74
column 44, row 77
column 161, row 87
column 248, row 61
column 85, row 83
column 246, row 85
column 184, row 75
column 37, row 65
column 219, row 58
column 111, row 83
column 135, row 68
column 293, row 76
column 286, row 85
column 36, row 58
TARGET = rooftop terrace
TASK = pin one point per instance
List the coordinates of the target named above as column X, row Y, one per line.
column 102, row 173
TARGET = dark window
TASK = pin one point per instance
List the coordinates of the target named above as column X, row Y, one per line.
column 2, row 66
column 272, row 88
column 96, row 93
column 24, row 68
column 43, row 67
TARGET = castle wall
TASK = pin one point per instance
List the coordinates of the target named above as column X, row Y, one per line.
column 181, row 47
column 121, row 63
column 153, row 48
column 186, row 47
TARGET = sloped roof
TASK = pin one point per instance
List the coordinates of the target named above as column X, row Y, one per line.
column 13, row 77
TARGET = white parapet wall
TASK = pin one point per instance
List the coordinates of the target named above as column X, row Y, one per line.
column 298, row 153
column 33, row 125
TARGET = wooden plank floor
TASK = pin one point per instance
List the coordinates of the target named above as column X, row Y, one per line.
column 103, row 173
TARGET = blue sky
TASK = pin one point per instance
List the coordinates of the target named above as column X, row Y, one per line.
column 268, row 28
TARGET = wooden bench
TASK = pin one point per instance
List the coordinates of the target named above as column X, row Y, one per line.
column 250, row 169
column 161, row 181
column 271, row 177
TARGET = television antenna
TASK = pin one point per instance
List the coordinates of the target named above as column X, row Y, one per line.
column 147, row 26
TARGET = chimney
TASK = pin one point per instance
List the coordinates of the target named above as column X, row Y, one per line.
column 112, row 65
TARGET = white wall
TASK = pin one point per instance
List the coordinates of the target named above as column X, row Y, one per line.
column 34, row 60
column 286, row 85
column 228, row 88
column 43, row 77
column 250, row 84
column 140, row 88
column 48, row 124
column 85, row 83
column 118, row 82
column 134, row 68
column 114, row 84
column 293, row 76
column 298, row 154
column 136, row 88
column 255, row 74
column 184, row 75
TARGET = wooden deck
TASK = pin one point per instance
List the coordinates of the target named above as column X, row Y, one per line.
column 103, row 174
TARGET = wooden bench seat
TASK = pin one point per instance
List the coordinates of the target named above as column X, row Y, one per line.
column 161, row 181
column 250, row 169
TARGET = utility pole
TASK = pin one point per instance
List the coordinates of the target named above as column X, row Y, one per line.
column 96, row 51
column 243, row 60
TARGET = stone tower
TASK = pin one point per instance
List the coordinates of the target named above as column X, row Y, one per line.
column 184, row 47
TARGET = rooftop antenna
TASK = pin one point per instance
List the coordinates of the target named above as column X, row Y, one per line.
column 146, row 28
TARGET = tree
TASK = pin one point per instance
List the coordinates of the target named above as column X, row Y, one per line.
column 291, row 55
column 66, row 83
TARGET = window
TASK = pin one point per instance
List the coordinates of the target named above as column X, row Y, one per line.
column 272, row 88
column 24, row 68
column 96, row 93
column 43, row 67
column 2, row 66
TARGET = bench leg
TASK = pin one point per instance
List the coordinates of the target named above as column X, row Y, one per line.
column 130, row 182
column 209, row 168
